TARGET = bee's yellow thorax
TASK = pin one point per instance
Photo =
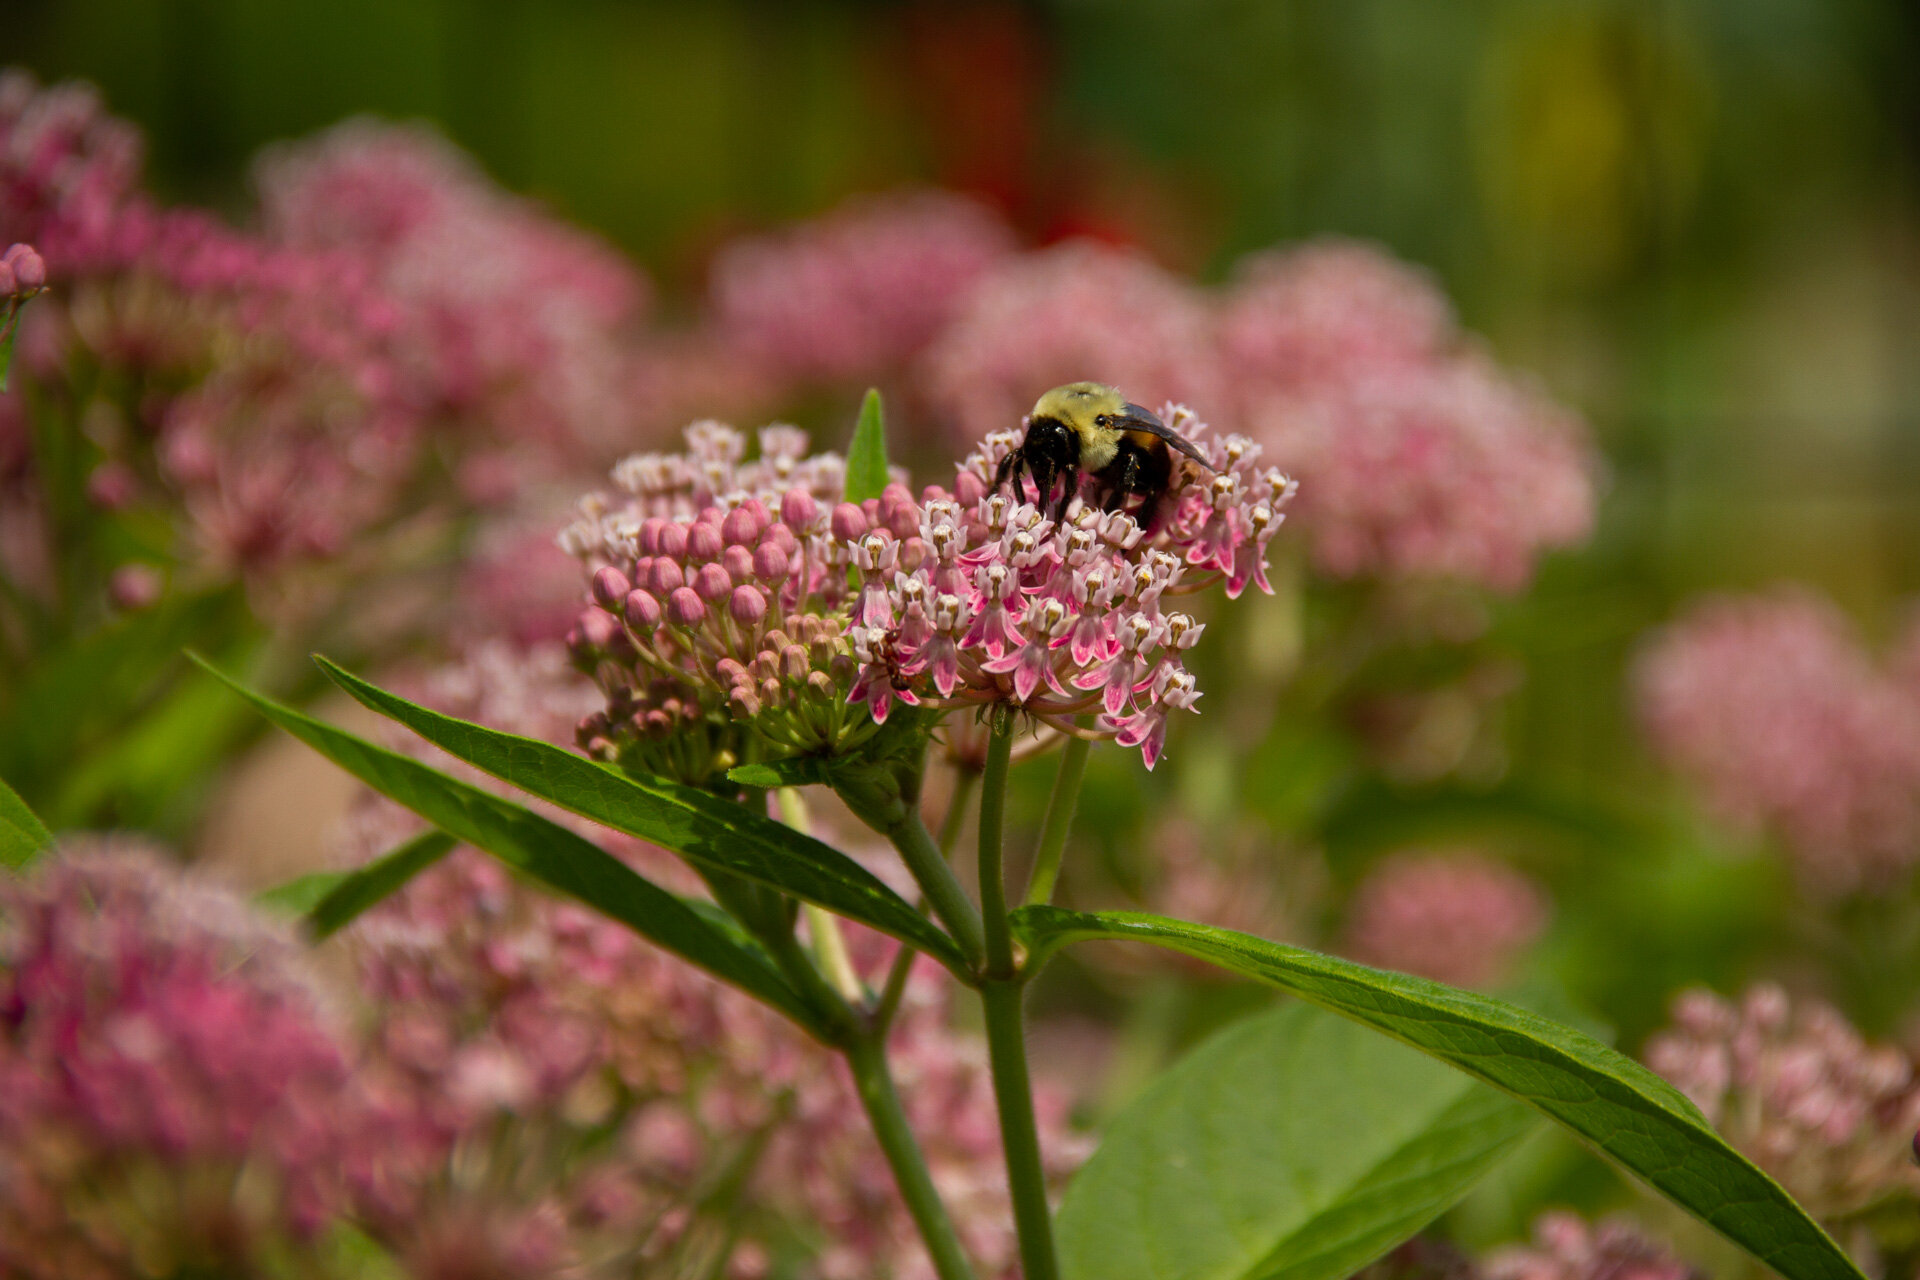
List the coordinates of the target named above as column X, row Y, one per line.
column 1097, row 448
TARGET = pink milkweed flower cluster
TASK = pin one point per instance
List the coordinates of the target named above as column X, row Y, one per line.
column 174, row 1093
column 493, row 1003
column 290, row 384
column 1459, row 917
column 858, row 291
column 971, row 597
column 1420, row 456
column 507, row 316
column 1769, row 705
column 1076, row 311
column 1795, row 1087
column 716, row 584
column 1567, row 1247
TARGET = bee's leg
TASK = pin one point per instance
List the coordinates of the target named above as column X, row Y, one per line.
column 1009, row 469
column 1069, row 488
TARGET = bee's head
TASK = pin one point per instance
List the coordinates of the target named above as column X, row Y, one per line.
column 1092, row 407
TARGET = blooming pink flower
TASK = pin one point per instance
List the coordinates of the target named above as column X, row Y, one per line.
column 1459, row 918
column 1420, row 457
column 1076, row 311
column 157, row 1040
column 1566, row 1247
column 494, row 1001
column 68, row 170
column 858, row 292
column 1796, row 1088
column 1771, row 708
column 506, row 315
column 1307, row 316
column 975, row 597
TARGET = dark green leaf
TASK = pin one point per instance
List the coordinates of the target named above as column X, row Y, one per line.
column 7, row 336
column 1606, row 1098
column 1294, row 1144
column 545, row 851
column 22, row 835
column 366, row 887
column 698, row 825
column 867, row 453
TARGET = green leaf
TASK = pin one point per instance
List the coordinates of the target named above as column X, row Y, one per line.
column 1615, row 1104
column 698, row 825
column 22, row 835
column 867, row 452
column 84, row 693
column 545, row 851
column 1293, row 1144
column 300, row 895
column 797, row 771
column 379, row 879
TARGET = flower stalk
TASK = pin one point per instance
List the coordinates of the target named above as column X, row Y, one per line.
column 1001, row 993
column 1059, row 820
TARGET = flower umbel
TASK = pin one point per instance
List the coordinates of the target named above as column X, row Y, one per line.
column 971, row 597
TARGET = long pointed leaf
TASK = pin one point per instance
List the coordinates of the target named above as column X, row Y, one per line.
column 378, row 880
column 1604, row 1097
column 544, row 850
column 699, row 826
column 1294, row 1144
column 867, row 452
column 22, row 835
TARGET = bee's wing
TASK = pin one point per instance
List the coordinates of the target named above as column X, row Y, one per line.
column 1141, row 419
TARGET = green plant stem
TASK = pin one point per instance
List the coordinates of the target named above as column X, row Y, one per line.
column 829, row 944
column 1019, row 1135
column 896, row 984
column 867, row 1057
column 1000, row 992
column 942, row 887
column 964, row 781
column 993, row 810
column 1059, row 820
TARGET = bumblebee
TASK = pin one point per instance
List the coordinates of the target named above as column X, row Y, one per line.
column 1090, row 428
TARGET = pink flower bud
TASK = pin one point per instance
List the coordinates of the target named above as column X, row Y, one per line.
column 673, row 541
column 112, row 485
column 712, row 583
column 704, row 542
column 664, row 577
column 745, row 523
column 29, row 268
column 747, row 606
column 770, row 564
column 643, row 611
column 7, row 286
column 650, row 530
column 782, row 537
column 685, row 608
column 729, row 671
column 610, row 587
column 849, row 522
column 737, row 560
column 897, row 511
column 134, row 586
column 968, row 489
column 597, row 629
column 798, row 509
